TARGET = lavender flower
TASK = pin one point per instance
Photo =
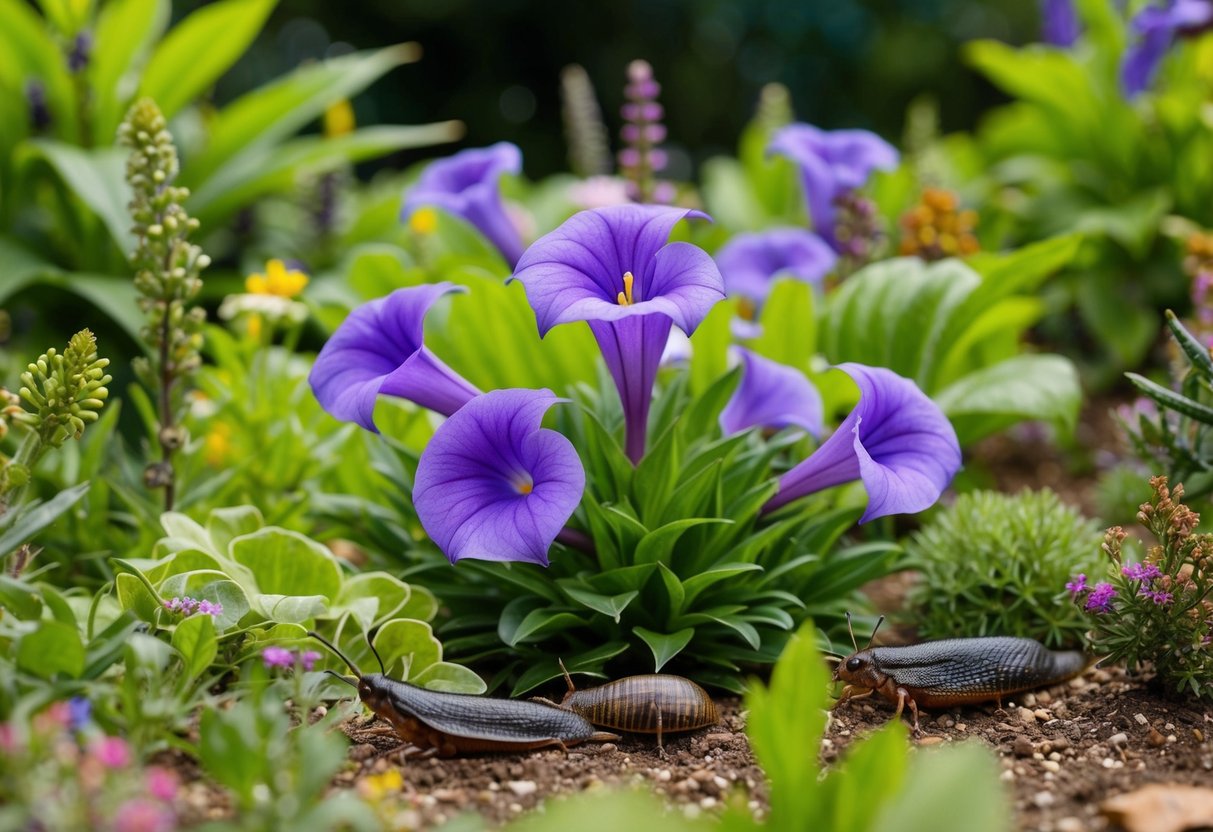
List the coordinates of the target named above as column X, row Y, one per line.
column 466, row 185
column 308, row 659
column 1156, row 28
column 277, row 657
column 491, row 484
column 378, row 349
column 896, row 440
column 39, row 110
column 1158, row 597
column 80, row 53
column 1059, row 23
column 1078, row 584
column 750, row 263
column 832, row 164
column 211, row 608
column 1141, row 571
column 80, row 711
column 640, row 159
column 1100, row 599
column 183, row 606
column 771, row 395
column 615, row 268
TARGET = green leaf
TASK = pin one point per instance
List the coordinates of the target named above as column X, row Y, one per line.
column 659, row 543
column 209, row 585
column 1171, row 400
column 19, row 598
column 609, row 605
column 134, row 595
column 97, row 176
column 289, row 609
column 126, row 29
column 388, row 592
column 1198, row 354
column 789, row 328
column 195, row 639
column 547, row 668
column 225, row 524
column 953, row 789
column 535, row 624
column 36, row 516
column 287, row 563
column 27, row 51
column 54, row 648
column 665, row 646
column 411, row 643
column 1044, row 387
column 184, row 528
column 452, row 678
column 696, row 584
column 200, row 49
column 710, row 344
column 872, row 772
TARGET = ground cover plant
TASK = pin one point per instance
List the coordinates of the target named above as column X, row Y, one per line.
column 270, row 416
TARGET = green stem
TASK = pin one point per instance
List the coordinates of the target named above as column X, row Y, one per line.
column 28, row 453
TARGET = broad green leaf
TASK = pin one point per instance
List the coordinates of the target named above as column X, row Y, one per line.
column 1044, row 387
column 19, row 598
column 589, row 663
column 36, row 516
column 696, row 584
column 209, row 585
column 199, row 49
column 126, row 30
column 727, row 193
column 97, row 176
column 194, row 638
column 789, row 325
column 1022, row 270
column 389, row 593
column 289, row 609
column 182, row 527
column 665, row 646
column 184, row 560
column 134, row 595
column 225, row 524
column 659, row 543
column 872, row 772
column 279, row 109
column 409, row 643
column 538, row 623
column 54, row 648
column 287, row 563
column 977, row 344
column 710, row 345
column 955, row 789
column 611, row 605
column 421, row 605
column 452, row 678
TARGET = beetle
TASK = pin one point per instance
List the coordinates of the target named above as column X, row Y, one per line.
column 952, row 671
column 653, row 703
column 446, row 724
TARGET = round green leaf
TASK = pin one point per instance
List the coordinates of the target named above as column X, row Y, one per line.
column 287, row 563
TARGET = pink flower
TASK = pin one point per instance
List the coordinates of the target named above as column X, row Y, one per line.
column 161, row 783
column 142, row 815
column 8, row 738
column 1100, row 599
column 212, row 608
column 111, row 752
column 1078, row 584
column 277, row 657
column 1141, row 571
column 309, row 658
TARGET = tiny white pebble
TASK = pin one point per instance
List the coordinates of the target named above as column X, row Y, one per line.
column 1051, row 765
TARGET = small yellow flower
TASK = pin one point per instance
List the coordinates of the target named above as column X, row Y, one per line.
column 217, row 447
column 277, row 280
column 378, row 786
column 424, row 221
column 339, row 119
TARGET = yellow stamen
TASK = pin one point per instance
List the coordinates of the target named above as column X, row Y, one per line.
column 525, row 487
column 424, row 221
column 625, row 297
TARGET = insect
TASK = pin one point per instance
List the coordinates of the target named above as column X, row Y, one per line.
column 655, row 703
column 952, row 671
column 446, row 724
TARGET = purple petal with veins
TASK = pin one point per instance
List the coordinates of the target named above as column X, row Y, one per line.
column 771, row 395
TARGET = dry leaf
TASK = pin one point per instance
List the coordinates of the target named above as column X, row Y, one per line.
column 1161, row 808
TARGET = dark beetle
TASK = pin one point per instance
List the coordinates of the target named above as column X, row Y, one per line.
column 655, row 703
column 954, row 671
column 447, row 724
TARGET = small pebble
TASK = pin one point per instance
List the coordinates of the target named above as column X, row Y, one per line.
column 929, row 740
column 1022, row 746
column 1070, row 824
column 1043, row 800
column 1156, row 738
column 1026, row 716
column 1118, row 739
column 1051, row 765
column 960, row 726
column 1042, row 714
column 1141, row 719
column 1059, row 743
column 1029, row 699
column 663, row 776
column 522, row 787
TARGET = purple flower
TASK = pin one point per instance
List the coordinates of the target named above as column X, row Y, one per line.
column 1100, row 599
column 749, row 263
column 896, row 440
column 80, row 53
column 379, row 349
column 79, row 711
column 183, row 606
column 277, row 657
column 308, row 659
column 467, row 186
column 771, row 395
column 1141, row 571
column 491, row 484
column 212, row 608
column 615, row 268
column 1156, row 28
column 832, row 164
column 1160, row 598
column 1059, row 22
column 1078, row 584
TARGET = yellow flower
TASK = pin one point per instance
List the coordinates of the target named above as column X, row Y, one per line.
column 217, row 447
column 339, row 119
column 378, row 786
column 276, row 281
column 424, row 221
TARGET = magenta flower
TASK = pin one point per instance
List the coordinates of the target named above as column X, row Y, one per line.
column 771, row 395
column 493, row 485
column 1141, row 571
column 1156, row 28
column 211, row 608
column 1078, row 584
column 308, row 659
column 615, row 268
column 896, row 440
column 1160, row 598
column 750, row 263
column 161, row 783
column 182, row 606
column 379, row 349
column 832, row 164
column 1100, row 599
column 142, row 815
column 277, row 657
column 467, row 185
column 111, row 752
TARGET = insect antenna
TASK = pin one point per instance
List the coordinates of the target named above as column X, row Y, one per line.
column 336, row 652
column 349, row 680
column 567, row 678
column 371, row 644
column 850, row 630
column 879, row 621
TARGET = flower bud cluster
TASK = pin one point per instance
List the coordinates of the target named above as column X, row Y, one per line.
column 584, row 130
column 66, row 391
column 936, row 228
column 641, row 160
column 858, row 230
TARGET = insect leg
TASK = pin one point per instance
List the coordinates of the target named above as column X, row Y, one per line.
column 653, row 707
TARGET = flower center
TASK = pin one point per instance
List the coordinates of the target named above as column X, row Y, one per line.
column 523, row 484
column 625, row 297
column 747, row 310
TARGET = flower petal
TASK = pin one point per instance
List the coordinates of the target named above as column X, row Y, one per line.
column 378, row 349
column 750, row 263
column 896, row 440
column 632, row 348
column 493, row 485
column 771, row 395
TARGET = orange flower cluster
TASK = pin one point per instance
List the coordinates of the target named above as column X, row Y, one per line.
column 935, row 228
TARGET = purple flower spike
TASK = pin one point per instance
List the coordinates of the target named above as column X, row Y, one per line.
column 378, row 349
column 1059, row 25
column 1156, row 28
column 771, row 395
column 615, row 268
column 493, row 485
column 832, row 164
column 467, row 185
column 896, row 440
column 750, row 263
column 1100, row 599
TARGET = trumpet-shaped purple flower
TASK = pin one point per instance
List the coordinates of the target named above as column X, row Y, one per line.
column 493, row 485
column 379, row 349
column 749, row 263
column 468, row 186
column 771, row 395
column 1059, row 24
column 896, row 440
column 832, row 164
column 615, row 268
column 1156, row 28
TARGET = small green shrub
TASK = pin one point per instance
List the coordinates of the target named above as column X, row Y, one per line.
column 992, row 564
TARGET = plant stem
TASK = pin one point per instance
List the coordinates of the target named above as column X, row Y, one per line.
column 166, row 407
column 577, row 539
